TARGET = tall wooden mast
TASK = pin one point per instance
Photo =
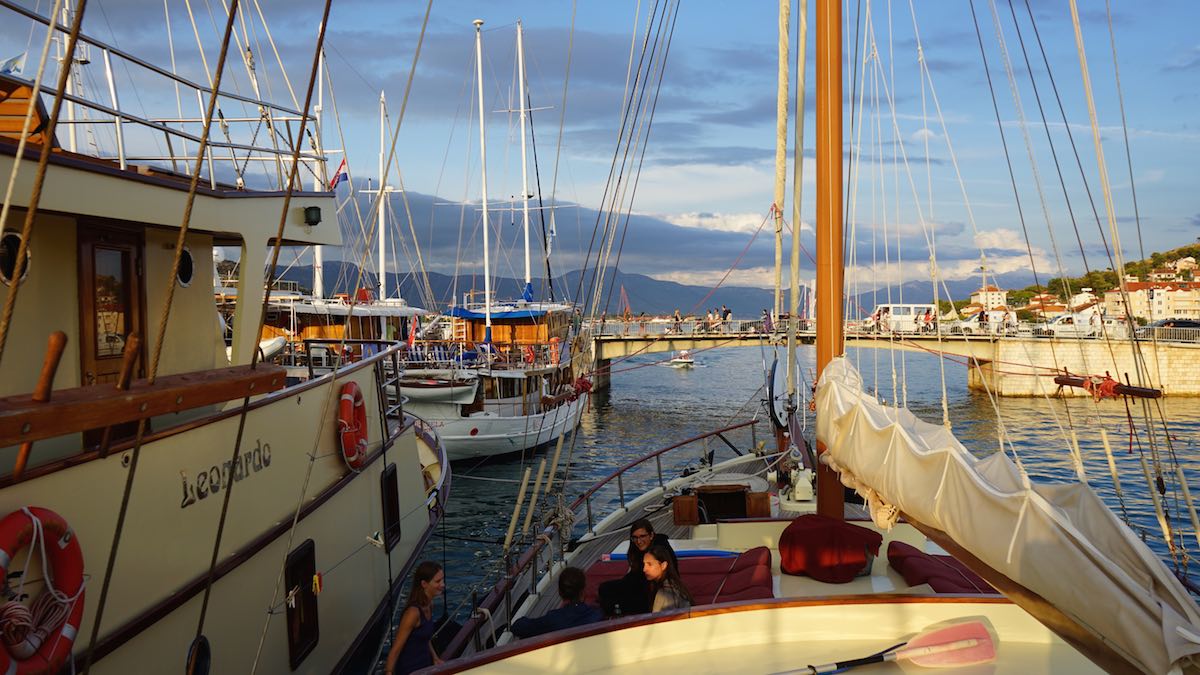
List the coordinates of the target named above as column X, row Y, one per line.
column 830, row 341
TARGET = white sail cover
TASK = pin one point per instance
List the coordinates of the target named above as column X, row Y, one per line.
column 1059, row 541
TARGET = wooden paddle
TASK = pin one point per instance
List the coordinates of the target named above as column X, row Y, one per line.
column 955, row 645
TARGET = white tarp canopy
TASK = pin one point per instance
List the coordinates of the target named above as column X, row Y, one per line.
column 1058, row 540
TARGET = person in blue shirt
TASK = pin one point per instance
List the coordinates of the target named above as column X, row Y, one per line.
column 574, row 612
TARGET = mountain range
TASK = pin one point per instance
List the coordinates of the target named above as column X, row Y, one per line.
column 644, row 293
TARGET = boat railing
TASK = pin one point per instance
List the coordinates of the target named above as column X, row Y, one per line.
column 447, row 354
column 495, row 610
column 246, row 131
column 328, row 354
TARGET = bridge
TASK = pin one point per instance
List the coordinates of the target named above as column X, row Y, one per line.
column 1015, row 363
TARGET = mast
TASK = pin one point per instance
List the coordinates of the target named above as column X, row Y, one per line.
column 320, row 180
column 781, row 110
column 797, row 175
column 487, row 263
column 382, row 192
column 528, row 292
column 829, row 220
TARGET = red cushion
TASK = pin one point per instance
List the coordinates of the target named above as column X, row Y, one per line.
column 709, row 579
column 827, row 549
column 943, row 573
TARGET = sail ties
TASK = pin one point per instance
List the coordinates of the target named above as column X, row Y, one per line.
column 883, row 514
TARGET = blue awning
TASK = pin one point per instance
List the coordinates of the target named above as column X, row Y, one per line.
column 463, row 313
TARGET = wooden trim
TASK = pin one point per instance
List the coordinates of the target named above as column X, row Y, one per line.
column 150, row 616
column 609, row 626
column 274, row 397
column 91, row 407
column 1091, row 645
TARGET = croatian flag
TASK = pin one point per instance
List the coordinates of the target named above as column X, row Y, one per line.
column 340, row 175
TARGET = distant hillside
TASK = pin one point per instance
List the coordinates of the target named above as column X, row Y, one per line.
column 645, row 293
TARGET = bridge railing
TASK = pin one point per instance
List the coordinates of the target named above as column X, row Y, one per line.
column 1163, row 334
column 656, row 327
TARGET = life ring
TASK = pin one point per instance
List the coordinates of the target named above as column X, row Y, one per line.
column 530, row 355
column 39, row 640
column 352, row 425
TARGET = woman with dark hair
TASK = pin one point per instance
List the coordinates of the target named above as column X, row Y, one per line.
column 411, row 650
column 630, row 594
column 658, row 563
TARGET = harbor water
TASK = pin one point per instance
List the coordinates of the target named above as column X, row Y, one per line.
column 651, row 405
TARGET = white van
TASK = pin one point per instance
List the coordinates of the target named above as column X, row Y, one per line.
column 895, row 318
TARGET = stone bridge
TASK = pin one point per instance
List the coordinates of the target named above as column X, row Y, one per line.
column 1009, row 365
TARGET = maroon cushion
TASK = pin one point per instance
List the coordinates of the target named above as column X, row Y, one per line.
column 827, row 549
column 943, row 573
column 709, row 579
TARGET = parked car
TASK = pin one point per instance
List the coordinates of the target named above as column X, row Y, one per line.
column 1071, row 326
column 1000, row 322
column 1172, row 330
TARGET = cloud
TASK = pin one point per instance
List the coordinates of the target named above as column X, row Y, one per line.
column 1189, row 59
column 724, row 222
column 922, row 135
column 1000, row 239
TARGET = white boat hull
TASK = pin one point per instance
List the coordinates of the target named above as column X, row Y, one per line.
column 489, row 434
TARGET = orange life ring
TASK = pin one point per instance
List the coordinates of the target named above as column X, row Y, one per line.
column 42, row 649
column 352, row 425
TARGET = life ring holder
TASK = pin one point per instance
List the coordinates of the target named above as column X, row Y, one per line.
column 59, row 608
column 352, row 425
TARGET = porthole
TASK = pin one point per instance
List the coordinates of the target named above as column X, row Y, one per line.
column 10, row 245
column 187, row 268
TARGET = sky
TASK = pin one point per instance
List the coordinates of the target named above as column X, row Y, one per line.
column 931, row 174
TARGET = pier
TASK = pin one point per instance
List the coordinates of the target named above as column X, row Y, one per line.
column 1015, row 364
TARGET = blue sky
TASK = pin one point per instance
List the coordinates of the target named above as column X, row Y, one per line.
column 708, row 173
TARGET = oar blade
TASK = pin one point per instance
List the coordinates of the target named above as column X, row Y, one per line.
column 951, row 646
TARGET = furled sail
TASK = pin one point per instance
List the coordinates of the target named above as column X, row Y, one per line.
column 1059, row 541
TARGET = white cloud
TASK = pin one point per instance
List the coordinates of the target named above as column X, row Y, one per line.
column 923, row 134
column 1001, row 238
column 748, row 223
column 760, row 277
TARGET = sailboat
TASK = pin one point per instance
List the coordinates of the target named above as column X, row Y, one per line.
column 1042, row 578
column 163, row 501
column 506, row 378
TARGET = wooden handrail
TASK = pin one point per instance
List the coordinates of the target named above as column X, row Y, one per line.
column 23, row 419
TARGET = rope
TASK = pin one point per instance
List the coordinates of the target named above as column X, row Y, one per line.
column 35, row 195
column 24, row 629
column 162, row 327
column 295, row 166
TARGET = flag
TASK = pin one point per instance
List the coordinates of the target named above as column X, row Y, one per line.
column 340, row 175
column 412, row 333
column 13, row 66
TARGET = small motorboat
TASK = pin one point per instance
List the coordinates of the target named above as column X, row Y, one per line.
column 682, row 359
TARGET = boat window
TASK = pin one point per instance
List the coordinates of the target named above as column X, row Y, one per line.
column 111, row 285
column 391, row 506
column 10, row 244
column 187, row 268
column 302, row 629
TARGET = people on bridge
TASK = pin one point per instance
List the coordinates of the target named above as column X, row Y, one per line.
column 574, row 611
column 768, row 327
column 677, row 322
